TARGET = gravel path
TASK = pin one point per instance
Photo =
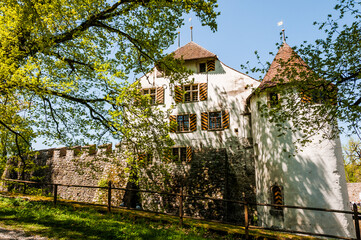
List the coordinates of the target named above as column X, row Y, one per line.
column 6, row 234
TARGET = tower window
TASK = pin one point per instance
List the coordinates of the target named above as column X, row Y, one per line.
column 273, row 99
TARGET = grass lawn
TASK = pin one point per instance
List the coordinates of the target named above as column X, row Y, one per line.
column 68, row 222
column 37, row 215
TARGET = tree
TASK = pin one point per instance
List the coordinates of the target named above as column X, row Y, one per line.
column 328, row 72
column 11, row 144
column 352, row 158
column 71, row 60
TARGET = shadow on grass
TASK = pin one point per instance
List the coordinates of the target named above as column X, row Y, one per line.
column 66, row 222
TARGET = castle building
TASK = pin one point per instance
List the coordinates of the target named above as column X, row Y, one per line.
column 219, row 109
column 224, row 148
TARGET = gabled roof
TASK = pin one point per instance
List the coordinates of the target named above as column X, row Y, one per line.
column 192, row 51
column 285, row 59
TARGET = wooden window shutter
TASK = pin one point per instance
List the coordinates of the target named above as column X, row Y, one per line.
column 305, row 97
column 225, row 119
column 167, row 154
column 137, row 97
column 277, row 196
column 203, row 91
column 211, row 65
column 204, row 120
column 193, row 122
column 142, row 157
column 189, row 154
column 173, row 123
column 160, row 95
column 178, row 94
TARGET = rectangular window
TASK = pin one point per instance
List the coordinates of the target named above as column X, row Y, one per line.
column 179, row 154
column 207, row 66
column 202, row 67
column 215, row 120
column 152, row 93
column 183, row 123
column 273, row 99
column 191, row 93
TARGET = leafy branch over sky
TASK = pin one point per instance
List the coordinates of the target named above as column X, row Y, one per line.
column 326, row 84
column 68, row 62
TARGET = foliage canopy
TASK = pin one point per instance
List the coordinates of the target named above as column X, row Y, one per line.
column 352, row 155
column 69, row 62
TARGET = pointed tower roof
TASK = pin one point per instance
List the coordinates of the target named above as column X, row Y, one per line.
column 285, row 59
column 192, row 51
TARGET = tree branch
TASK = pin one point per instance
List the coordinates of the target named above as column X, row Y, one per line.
column 132, row 40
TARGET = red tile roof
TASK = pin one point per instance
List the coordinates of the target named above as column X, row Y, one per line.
column 282, row 65
column 192, row 51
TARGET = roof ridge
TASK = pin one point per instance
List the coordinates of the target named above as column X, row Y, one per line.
column 201, row 47
column 192, row 51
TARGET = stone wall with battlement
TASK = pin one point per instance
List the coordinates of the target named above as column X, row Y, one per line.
column 217, row 173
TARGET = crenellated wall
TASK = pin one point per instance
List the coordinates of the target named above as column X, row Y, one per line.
column 80, row 165
column 217, row 173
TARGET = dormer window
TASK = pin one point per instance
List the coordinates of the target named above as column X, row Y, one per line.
column 202, row 67
column 207, row 66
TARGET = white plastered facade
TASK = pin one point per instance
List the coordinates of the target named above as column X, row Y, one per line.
column 227, row 89
column 314, row 177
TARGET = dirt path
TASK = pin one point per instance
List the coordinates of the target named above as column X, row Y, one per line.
column 7, row 234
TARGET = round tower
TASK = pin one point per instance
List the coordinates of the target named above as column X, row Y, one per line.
column 289, row 173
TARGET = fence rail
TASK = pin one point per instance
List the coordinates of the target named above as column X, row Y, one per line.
column 181, row 196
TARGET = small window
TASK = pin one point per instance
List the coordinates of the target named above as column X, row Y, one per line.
column 183, row 123
column 215, row 120
column 152, row 93
column 274, row 99
column 179, row 154
column 202, row 67
column 207, row 66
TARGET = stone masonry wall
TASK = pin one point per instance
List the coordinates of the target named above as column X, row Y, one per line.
column 216, row 173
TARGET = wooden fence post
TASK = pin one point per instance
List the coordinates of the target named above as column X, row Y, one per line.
column 24, row 189
column 55, row 193
column 357, row 226
column 109, row 196
column 181, row 207
column 246, row 220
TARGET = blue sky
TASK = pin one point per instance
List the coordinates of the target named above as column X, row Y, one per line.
column 246, row 26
